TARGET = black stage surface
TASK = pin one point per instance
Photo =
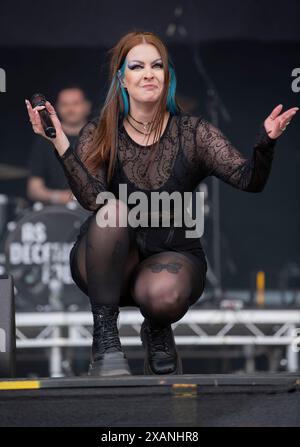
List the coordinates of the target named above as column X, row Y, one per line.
column 188, row 400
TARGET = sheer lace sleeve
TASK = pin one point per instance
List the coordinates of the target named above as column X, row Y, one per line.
column 83, row 184
column 220, row 158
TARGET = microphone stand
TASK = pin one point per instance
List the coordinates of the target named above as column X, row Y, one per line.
column 215, row 106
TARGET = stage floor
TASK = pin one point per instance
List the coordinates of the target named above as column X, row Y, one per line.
column 153, row 401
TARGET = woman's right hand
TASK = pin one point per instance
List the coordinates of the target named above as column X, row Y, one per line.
column 60, row 142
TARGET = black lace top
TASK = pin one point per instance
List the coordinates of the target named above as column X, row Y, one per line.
column 189, row 150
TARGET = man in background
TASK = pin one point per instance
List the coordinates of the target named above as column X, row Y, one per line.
column 47, row 182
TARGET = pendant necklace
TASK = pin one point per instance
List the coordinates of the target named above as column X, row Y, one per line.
column 143, row 133
column 145, row 125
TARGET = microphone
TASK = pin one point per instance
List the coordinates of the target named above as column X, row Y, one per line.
column 38, row 99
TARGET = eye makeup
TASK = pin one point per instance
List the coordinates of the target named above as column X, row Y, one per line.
column 132, row 65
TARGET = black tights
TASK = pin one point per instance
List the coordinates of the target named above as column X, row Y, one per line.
column 163, row 286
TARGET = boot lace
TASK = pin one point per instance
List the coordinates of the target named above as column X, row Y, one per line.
column 105, row 334
column 160, row 339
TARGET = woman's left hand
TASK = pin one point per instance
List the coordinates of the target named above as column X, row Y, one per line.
column 276, row 123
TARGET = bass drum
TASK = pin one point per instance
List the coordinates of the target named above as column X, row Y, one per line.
column 37, row 249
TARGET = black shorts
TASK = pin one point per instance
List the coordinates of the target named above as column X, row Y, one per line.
column 151, row 241
column 155, row 240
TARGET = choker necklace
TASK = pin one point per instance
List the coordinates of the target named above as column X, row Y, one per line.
column 144, row 133
column 137, row 129
column 145, row 125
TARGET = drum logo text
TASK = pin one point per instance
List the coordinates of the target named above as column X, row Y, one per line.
column 34, row 249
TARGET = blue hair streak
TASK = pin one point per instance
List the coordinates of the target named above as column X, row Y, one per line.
column 171, row 102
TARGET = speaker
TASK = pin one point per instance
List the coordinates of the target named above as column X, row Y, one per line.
column 7, row 327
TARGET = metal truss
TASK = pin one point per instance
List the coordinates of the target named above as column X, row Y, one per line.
column 198, row 327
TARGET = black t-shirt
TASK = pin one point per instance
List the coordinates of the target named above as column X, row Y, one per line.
column 43, row 163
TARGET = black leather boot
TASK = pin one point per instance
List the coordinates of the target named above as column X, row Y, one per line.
column 162, row 356
column 108, row 358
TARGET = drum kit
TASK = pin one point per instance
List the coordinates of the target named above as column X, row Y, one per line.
column 35, row 244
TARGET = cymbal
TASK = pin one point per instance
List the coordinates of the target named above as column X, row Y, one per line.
column 8, row 172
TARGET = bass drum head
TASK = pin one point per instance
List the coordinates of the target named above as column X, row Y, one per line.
column 37, row 252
